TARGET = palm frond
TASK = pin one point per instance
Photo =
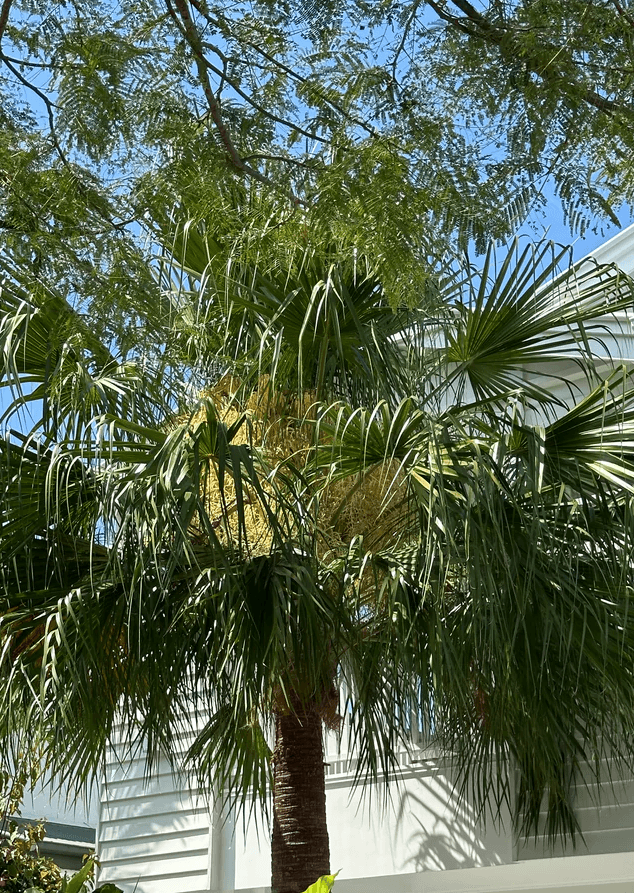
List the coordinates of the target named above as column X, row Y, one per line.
column 530, row 313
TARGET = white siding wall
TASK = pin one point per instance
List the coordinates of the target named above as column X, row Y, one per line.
column 154, row 836
column 606, row 819
column 161, row 837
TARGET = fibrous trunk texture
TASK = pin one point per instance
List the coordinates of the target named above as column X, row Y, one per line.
column 300, row 849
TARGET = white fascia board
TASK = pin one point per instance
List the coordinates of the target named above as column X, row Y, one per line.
column 55, row 846
column 618, row 250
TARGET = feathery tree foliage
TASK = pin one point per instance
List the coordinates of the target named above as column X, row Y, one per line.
column 287, row 485
column 403, row 124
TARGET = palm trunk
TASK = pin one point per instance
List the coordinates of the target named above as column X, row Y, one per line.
column 300, row 849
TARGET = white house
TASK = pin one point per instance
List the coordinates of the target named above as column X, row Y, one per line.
column 163, row 837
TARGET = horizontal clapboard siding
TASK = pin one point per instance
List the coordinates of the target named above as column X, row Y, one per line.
column 162, row 835
column 154, row 836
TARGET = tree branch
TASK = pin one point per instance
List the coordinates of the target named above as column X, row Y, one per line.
column 186, row 26
column 56, row 144
column 302, row 80
column 47, row 104
column 295, row 162
column 401, row 44
column 450, row 19
column 359, row 122
column 623, row 12
column 4, row 17
column 473, row 15
column 478, row 26
column 30, row 64
column 260, row 108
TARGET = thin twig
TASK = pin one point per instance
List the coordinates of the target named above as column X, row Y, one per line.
column 29, row 64
column 47, row 104
column 359, row 122
column 260, row 108
column 401, row 45
column 318, row 92
column 268, row 157
column 56, row 144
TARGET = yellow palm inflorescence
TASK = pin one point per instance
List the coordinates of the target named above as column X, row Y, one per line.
column 281, row 427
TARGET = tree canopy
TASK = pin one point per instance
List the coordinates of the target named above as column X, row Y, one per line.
column 403, row 125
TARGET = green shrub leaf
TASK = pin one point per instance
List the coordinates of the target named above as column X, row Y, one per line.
column 323, row 885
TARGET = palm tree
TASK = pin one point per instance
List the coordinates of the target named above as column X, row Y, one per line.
column 293, row 485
